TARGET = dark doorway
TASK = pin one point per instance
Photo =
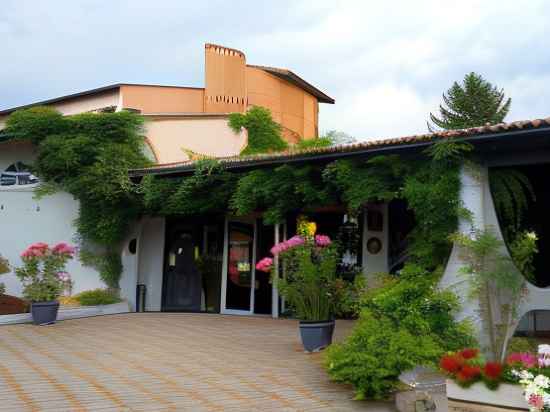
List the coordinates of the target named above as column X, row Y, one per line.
column 193, row 264
column 239, row 266
column 536, row 219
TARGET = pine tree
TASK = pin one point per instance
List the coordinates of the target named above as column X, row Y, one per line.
column 473, row 103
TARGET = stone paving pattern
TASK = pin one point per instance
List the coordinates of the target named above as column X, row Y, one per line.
column 168, row 362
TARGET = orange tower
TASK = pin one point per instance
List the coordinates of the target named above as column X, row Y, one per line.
column 225, row 80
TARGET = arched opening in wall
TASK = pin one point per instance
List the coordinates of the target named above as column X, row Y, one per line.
column 400, row 224
column 522, row 200
column 17, row 173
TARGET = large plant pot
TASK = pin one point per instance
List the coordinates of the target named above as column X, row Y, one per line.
column 507, row 397
column 44, row 313
column 316, row 335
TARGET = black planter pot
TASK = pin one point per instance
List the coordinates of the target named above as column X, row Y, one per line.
column 44, row 313
column 316, row 335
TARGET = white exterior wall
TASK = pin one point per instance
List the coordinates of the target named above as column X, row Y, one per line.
column 151, row 260
column 476, row 197
column 25, row 220
column 376, row 263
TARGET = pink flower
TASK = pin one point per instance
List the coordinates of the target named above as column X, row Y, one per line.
column 63, row 249
column 536, row 401
column 35, row 250
column 265, row 265
column 527, row 360
column 287, row 244
column 322, row 240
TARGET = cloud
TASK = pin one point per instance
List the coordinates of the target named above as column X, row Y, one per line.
column 386, row 63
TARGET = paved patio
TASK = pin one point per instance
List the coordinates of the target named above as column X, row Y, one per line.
column 164, row 361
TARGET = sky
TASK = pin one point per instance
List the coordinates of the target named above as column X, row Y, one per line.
column 386, row 63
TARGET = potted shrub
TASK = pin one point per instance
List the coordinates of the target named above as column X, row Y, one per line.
column 310, row 285
column 44, row 278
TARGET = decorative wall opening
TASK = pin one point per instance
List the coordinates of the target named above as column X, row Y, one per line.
column 532, row 216
column 16, row 174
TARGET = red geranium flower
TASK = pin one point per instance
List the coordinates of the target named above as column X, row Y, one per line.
column 492, row 370
column 469, row 353
column 451, row 363
column 468, row 373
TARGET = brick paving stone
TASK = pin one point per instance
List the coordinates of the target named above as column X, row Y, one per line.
column 167, row 362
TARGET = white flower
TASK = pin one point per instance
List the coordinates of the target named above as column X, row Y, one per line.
column 542, row 381
column 544, row 349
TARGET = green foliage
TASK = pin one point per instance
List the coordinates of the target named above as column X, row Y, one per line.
column 35, row 124
column 449, row 150
column 4, row 268
column 473, row 103
column 206, row 191
column 377, row 179
column 512, row 191
column 522, row 345
column 97, row 297
column 431, row 188
column 404, row 323
column 523, row 250
column 88, row 155
column 493, row 279
column 310, row 281
column 4, row 265
column 314, row 143
column 109, row 266
column 432, row 192
column 43, row 273
column 279, row 191
column 264, row 133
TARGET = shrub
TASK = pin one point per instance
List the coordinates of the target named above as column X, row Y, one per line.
column 404, row 323
column 97, row 297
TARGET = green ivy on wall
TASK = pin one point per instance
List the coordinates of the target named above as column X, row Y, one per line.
column 88, row 155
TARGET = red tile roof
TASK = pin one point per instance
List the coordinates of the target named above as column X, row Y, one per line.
column 365, row 146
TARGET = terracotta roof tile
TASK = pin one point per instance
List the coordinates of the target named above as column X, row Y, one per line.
column 354, row 147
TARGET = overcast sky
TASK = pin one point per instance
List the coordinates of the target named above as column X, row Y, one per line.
column 385, row 62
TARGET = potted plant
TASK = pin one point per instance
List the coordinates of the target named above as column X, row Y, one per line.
column 310, row 283
column 44, row 278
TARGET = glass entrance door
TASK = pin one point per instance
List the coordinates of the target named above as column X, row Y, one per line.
column 239, row 274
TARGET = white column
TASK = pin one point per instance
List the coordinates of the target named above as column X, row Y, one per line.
column 472, row 195
column 274, row 289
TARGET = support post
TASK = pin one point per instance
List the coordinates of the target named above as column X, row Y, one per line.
column 274, row 289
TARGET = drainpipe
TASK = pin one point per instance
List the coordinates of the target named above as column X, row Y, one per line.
column 274, row 290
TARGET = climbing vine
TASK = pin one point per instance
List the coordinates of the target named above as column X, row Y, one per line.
column 88, row 155
column 264, row 133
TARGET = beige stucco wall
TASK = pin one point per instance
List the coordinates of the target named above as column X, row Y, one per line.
column 170, row 136
column 291, row 106
column 88, row 103
column 161, row 99
column 82, row 104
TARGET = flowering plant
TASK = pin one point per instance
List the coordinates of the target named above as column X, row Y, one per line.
column 467, row 367
column 310, row 285
column 43, row 272
column 533, row 376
